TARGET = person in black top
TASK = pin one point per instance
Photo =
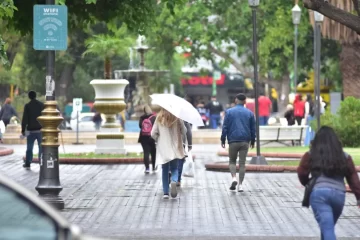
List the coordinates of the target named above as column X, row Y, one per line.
column 31, row 128
column 146, row 123
column 215, row 109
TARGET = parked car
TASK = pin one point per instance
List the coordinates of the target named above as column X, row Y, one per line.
column 85, row 121
column 24, row 216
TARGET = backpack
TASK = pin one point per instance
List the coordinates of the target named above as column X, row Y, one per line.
column 146, row 126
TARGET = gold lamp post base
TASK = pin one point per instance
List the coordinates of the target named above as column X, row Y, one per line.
column 49, row 185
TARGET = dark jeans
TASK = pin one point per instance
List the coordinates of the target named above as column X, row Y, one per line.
column 298, row 120
column 6, row 122
column 214, row 120
column 327, row 205
column 30, row 146
column 263, row 121
column 180, row 168
column 149, row 148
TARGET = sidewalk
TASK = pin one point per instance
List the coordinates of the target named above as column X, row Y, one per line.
column 120, row 201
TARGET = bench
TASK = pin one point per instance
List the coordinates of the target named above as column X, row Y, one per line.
column 282, row 134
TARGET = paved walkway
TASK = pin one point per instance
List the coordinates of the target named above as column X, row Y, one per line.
column 120, row 201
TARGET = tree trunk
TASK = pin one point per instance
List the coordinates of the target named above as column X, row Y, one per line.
column 350, row 68
column 65, row 80
column 107, row 68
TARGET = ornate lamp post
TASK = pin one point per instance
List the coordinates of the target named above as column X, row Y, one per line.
column 49, row 186
column 258, row 159
column 319, row 18
column 296, row 16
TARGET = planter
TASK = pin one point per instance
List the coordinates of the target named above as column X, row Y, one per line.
column 109, row 100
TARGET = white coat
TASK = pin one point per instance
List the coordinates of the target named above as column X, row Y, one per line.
column 166, row 139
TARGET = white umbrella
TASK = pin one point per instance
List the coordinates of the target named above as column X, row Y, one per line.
column 179, row 107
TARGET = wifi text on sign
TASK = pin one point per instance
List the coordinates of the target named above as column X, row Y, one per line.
column 50, row 27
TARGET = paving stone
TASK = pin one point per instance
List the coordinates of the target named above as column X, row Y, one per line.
column 120, row 201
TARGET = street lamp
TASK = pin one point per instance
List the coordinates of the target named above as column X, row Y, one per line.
column 49, row 185
column 259, row 160
column 319, row 18
column 296, row 16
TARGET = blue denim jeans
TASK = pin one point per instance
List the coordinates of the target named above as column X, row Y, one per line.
column 173, row 167
column 214, row 120
column 30, row 146
column 180, row 167
column 327, row 205
column 310, row 134
column 263, row 121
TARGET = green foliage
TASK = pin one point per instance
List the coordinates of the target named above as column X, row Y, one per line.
column 108, row 46
column 346, row 122
column 7, row 8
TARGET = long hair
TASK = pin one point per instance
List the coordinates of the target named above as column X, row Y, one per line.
column 168, row 120
column 327, row 155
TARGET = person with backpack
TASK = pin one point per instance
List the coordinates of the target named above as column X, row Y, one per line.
column 146, row 123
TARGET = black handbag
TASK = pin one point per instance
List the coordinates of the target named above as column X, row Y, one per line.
column 308, row 189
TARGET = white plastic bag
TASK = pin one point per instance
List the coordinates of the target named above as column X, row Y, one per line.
column 2, row 126
column 189, row 166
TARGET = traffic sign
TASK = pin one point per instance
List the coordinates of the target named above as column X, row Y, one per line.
column 77, row 104
column 50, row 27
column 217, row 75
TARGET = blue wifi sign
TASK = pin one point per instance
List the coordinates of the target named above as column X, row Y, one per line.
column 50, row 27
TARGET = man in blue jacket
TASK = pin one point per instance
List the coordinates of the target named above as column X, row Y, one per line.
column 239, row 129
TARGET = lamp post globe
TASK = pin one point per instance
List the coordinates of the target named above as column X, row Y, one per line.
column 254, row 3
column 296, row 14
column 319, row 18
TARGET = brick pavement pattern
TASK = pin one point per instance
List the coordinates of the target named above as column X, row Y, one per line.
column 121, row 201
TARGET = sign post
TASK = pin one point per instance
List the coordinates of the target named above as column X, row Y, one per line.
column 77, row 107
column 216, row 77
column 50, row 34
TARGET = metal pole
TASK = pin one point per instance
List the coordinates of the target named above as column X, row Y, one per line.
column 295, row 57
column 258, row 159
column 77, row 127
column 49, row 186
column 318, row 69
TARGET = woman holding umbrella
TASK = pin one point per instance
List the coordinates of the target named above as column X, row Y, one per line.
column 169, row 132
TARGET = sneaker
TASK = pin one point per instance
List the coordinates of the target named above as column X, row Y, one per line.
column 154, row 169
column 178, row 184
column 166, row 196
column 147, row 170
column 240, row 188
column 233, row 185
column 173, row 190
column 26, row 166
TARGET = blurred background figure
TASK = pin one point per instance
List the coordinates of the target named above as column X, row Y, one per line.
column 7, row 112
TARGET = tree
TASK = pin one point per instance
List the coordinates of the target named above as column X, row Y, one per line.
column 223, row 29
column 349, row 40
column 109, row 46
column 345, row 12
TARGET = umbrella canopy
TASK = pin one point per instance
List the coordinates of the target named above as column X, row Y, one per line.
column 179, row 107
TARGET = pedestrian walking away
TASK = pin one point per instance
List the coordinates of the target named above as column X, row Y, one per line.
column 168, row 132
column 215, row 110
column 265, row 105
column 328, row 165
column 187, row 142
column 7, row 112
column 31, row 128
column 239, row 130
column 146, row 123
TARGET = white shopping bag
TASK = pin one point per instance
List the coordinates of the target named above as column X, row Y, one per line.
column 189, row 166
column 2, row 127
